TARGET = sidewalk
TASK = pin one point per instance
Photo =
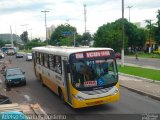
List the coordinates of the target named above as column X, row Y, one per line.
column 141, row 86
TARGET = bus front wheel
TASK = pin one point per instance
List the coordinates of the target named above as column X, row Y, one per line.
column 61, row 96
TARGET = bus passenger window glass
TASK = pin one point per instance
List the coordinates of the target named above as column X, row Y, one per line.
column 41, row 59
column 93, row 73
column 58, row 67
column 46, row 60
column 51, row 62
column 38, row 58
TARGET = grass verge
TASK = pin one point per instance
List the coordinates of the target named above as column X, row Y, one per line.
column 146, row 55
column 26, row 51
column 141, row 72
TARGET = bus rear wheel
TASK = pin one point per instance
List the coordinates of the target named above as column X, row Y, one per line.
column 41, row 80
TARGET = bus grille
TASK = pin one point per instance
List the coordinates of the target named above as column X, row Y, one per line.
column 95, row 92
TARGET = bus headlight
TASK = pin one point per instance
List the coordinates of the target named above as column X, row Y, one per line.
column 114, row 92
column 78, row 97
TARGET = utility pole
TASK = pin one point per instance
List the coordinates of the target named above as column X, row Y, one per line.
column 129, row 7
column 45, row 11
column 74, row 39
column 11, row 36
column 122, row 52
column 85, row 18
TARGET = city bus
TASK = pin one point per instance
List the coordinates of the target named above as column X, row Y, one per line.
column 80, row 76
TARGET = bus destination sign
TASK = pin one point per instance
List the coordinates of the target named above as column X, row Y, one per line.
column 92, row 54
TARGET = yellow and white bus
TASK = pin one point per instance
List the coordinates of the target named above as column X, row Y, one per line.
column 81, row 76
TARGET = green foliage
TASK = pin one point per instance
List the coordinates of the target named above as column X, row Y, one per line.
column 66, row 42
column 59, row 35
column 110, row 35
column 157, row 29
column 153, row 29
column 24, row 37
column 141, row 72
column 85, row 39
column 36, row 40
column 2, row 43
column 34, row 43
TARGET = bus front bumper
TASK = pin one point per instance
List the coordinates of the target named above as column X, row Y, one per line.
column 79, row 103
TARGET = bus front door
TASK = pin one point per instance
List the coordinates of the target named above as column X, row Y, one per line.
column 67, row 81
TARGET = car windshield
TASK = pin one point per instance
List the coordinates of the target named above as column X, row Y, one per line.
column 94, row 73
column 12, row 72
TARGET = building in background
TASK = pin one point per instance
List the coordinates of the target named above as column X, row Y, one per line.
column 7, row 38
column 50, row 30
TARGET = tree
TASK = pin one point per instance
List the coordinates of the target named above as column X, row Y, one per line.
column 107, row 36
column 157, row 29
column 36, row 40
column 110, row 35
column 2, row 43
column 86, row 38
column 35, row 43
column 63, row 34
column 24, row 37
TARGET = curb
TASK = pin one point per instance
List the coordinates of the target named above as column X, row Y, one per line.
column 137, row 77
column 141, row 92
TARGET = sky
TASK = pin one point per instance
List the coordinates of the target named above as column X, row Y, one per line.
column 21, row 15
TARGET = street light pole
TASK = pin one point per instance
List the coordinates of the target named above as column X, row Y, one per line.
column 45, row 11
column 122, row 52
column 74, row 39
column 85, row 18
column 11, row 36
column 129, row 7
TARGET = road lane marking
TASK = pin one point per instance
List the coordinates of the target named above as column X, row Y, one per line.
column 27, row 98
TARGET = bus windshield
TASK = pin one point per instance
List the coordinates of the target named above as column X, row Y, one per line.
column 95, row 73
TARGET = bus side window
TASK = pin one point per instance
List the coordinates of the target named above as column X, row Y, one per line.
column 42, row 59
column 46, row 60
column 58, row 65
column 51, row 62
column 37, row 58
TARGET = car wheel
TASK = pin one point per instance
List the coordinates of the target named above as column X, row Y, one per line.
column 7, row 85
column 24, row 83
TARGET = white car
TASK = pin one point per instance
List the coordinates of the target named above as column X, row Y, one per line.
column 1, row 54
column 28, row 56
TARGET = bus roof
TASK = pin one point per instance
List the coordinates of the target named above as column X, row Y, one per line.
column 64, row 50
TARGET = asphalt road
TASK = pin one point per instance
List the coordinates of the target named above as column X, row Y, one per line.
column 130, row 103
column 146, row 62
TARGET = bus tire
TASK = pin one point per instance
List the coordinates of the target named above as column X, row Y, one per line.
column 61, row 96
column 41, row 80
